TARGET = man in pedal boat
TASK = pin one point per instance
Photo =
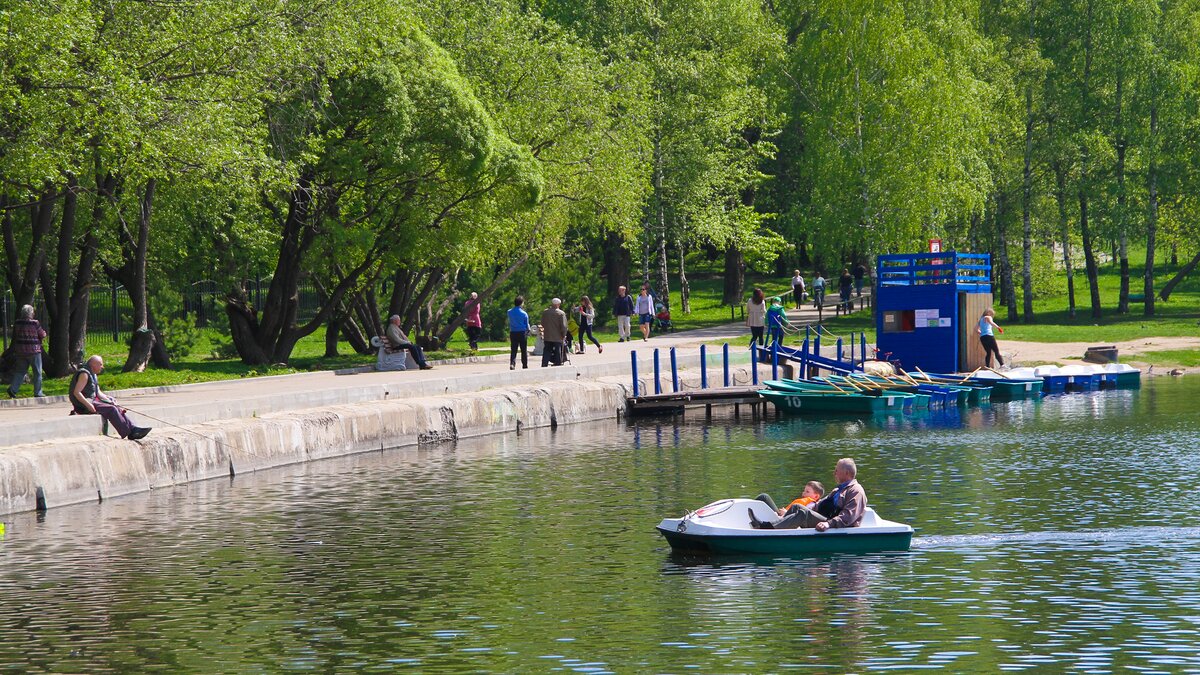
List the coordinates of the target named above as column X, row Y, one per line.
column 842, row 507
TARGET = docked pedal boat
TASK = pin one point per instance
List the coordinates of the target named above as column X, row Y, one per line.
column 724, row 527
column 835, row 402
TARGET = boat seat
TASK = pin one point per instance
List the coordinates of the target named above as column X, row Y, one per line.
column 869, row 518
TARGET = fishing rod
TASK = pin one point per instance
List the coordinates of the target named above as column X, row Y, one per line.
column 172, row 424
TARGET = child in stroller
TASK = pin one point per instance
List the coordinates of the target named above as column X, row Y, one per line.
column 662, row 320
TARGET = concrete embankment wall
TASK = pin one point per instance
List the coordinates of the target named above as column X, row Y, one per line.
column 71, row 471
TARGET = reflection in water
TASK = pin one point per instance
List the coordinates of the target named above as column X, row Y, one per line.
column 1061, row 534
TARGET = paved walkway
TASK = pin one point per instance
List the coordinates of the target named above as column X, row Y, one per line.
column 31, row 420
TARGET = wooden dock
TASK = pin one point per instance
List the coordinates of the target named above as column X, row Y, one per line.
column 675, row 402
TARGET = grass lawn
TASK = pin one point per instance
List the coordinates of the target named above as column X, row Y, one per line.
column 1186, row 358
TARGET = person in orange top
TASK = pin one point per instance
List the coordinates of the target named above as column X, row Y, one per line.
column 813, row 491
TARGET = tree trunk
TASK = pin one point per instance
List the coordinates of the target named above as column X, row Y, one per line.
column 1165, row 293
column 685, row 301
column 734, row 279
column 143, row 337
column 616, row 263
column 1089, row 255
column 58, row 291
column 1026, row 207
column 664, row 289
column 332, row 329
column 1060, row 196
column 1008, row 295
column 23, row 276
column 81, row 294
column 1152, row 213
column 1122, row 217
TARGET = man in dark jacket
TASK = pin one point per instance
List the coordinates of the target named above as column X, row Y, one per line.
column 623, row 310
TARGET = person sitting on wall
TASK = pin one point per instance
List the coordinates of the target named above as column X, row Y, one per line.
column 87, row 399
column 398, row 340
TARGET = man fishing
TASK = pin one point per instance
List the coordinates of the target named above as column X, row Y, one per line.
column 87, row 399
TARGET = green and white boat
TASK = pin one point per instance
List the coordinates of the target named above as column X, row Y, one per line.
column 800, row 402
column 723, row 527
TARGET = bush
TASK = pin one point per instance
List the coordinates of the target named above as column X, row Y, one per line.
column 179, row 336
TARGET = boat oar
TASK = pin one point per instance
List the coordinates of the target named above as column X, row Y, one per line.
column 964, row 380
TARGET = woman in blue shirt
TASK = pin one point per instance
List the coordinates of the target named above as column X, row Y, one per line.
column 987, row 337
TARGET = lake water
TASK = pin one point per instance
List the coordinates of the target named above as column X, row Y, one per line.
column 1059, row 535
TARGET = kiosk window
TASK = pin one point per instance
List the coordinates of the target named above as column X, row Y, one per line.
column 900, row 321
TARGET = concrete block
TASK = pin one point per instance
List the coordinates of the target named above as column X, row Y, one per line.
column 532, row 406
column 181, row 458
column 63, row 472
column 119, row 466
column 18, row 486
column 483, row 413
column 264, row 442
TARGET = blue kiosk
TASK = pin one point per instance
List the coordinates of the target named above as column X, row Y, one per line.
column 927, row 306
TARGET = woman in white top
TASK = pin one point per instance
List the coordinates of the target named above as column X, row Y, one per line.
column 756, row 317
column 797, row 288
column 643, row 306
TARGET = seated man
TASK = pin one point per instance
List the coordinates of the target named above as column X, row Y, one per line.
column 844, row 507
column 398, row 340
column 87, row 399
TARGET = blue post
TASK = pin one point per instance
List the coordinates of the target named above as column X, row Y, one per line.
column 674, row 372
column 633, row 357
column 839, row 349
column 703, row 369
column 852, row 359
column 725, row 361
column 775, row 360
column 753, row 363
column 817, row 345
column 657, row 380
column 863, row 352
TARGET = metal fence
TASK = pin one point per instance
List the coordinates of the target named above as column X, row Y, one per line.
column 110, row 310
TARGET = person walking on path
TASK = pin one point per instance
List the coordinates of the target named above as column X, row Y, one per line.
column 776, row 320
column 644, row 308
column 518, row 334
column 845, row 285
column 27, row 350
column 87, row 399
column 554, row 333
column 819, row 290
column 860, row 273
column 756, row 317
column 987, row 337
column 474, row 322
column 398, row 340
column 623, row 310
column 587, row 318
column 797, row 288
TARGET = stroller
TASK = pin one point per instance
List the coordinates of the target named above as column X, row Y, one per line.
column 662, row 321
